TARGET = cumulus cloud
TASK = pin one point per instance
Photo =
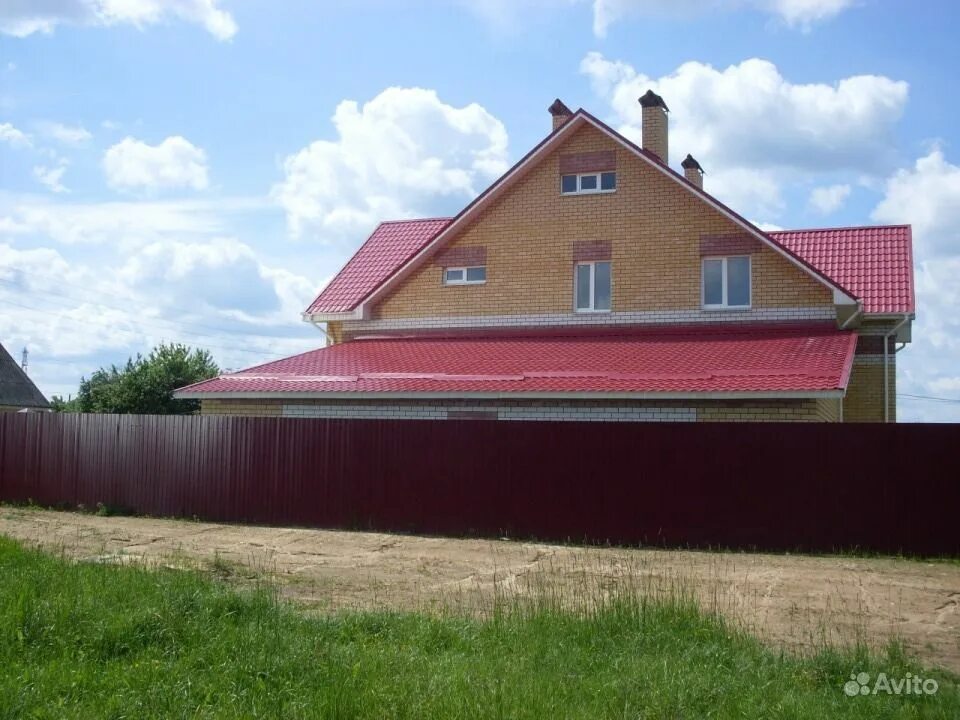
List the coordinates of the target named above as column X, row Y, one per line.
column 794, row 13
column 927, row 196
column 66, row 134
column 752, row 129
column 51, row 177
column 21, row 18
column 398, row 155
column 14, row 137
column 174, row 163
column 828, row 198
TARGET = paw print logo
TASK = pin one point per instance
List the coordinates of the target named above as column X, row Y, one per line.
column 858, row 684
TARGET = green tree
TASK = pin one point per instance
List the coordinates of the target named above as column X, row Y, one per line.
column 145, row 384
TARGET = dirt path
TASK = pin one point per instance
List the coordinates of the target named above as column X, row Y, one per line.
column 797, row 601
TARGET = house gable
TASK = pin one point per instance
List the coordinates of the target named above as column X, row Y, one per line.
column 653, row 229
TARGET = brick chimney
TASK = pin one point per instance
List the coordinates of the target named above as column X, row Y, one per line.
column 655, row 125
column 560, row 112
column 692, row 171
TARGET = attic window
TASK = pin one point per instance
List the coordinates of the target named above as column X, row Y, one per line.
column 465, row 275
column 588, row 183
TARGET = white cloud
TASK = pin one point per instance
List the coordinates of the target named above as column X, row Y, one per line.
column 828, row 198
column 174, row 163
column 748, row 118
column 66, row 134
column 52, row 177
column 14, row 137
column 794, row 13
column 927, row 196
column 21, row 18
column 395, row 156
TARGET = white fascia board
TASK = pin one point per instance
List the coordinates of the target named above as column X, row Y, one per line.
column 355, row 314
column 349, row 395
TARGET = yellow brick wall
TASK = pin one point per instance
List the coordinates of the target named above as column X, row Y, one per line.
column 864, row 399
column 654, row 226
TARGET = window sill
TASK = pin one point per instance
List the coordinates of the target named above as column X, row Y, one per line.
column 588, row 192
column 726, row 308
column 461, row 284
column 590, row 312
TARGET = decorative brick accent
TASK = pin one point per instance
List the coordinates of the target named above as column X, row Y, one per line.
column 739, row 244
column 471, row 255
column 587, row 251
column 571, row 164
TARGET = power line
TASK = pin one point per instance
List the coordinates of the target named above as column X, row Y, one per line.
column 928, row 397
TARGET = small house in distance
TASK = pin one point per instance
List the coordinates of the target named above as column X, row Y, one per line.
column 17, row 391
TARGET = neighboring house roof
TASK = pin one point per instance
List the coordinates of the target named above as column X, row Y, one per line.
column 16, row 389
column 875, row 263
column 320, row 306
column 798, row 360
column 388, row 248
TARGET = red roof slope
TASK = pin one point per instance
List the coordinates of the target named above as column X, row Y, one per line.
column 388, row 248
column 874, row 263
column 742, row 359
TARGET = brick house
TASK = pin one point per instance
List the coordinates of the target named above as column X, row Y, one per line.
column 593, row 282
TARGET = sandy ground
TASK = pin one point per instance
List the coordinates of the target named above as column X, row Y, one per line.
column 795, row 601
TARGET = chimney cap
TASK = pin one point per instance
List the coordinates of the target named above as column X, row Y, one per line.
column 558, row 108
column 689, row 163
column 651, row 99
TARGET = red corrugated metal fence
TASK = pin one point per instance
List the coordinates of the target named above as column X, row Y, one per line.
column 886, row 488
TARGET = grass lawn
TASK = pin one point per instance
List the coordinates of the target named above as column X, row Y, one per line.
column 80, row 640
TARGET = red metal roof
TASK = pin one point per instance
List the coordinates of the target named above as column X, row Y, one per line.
column 874, row 263
column 736, row 359
column 388, row 248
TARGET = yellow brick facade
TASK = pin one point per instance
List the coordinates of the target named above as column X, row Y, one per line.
column 653, row 224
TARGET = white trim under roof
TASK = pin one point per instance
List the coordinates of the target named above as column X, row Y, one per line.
column 361, row 312
column 351, row 395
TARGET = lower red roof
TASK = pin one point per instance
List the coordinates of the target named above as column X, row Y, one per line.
column 742, row 359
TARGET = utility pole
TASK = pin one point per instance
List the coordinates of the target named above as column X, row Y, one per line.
column 23, row 360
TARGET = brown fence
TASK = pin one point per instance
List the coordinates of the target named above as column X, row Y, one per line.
column 814, row 487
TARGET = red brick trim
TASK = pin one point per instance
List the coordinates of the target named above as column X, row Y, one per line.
column 739, row 244
column 471, row 255
column 589, row 251
column 588, row 162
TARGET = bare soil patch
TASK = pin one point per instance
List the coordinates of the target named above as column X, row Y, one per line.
column 799, row 602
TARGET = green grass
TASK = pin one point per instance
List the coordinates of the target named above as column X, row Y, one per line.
column 80, row 640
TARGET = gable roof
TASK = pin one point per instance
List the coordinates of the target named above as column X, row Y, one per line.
column 319, row 311
column 795, row 360
column 876, row 263
column 16, row 389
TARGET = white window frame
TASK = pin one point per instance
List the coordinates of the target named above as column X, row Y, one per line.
column 593, row 291
column 464, row 268
column 724, row 305
column 580, row 177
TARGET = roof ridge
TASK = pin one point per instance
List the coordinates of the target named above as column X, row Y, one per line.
column 840, row 227
column 410, row 220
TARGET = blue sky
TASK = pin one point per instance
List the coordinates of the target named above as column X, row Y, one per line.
column 195, row 170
